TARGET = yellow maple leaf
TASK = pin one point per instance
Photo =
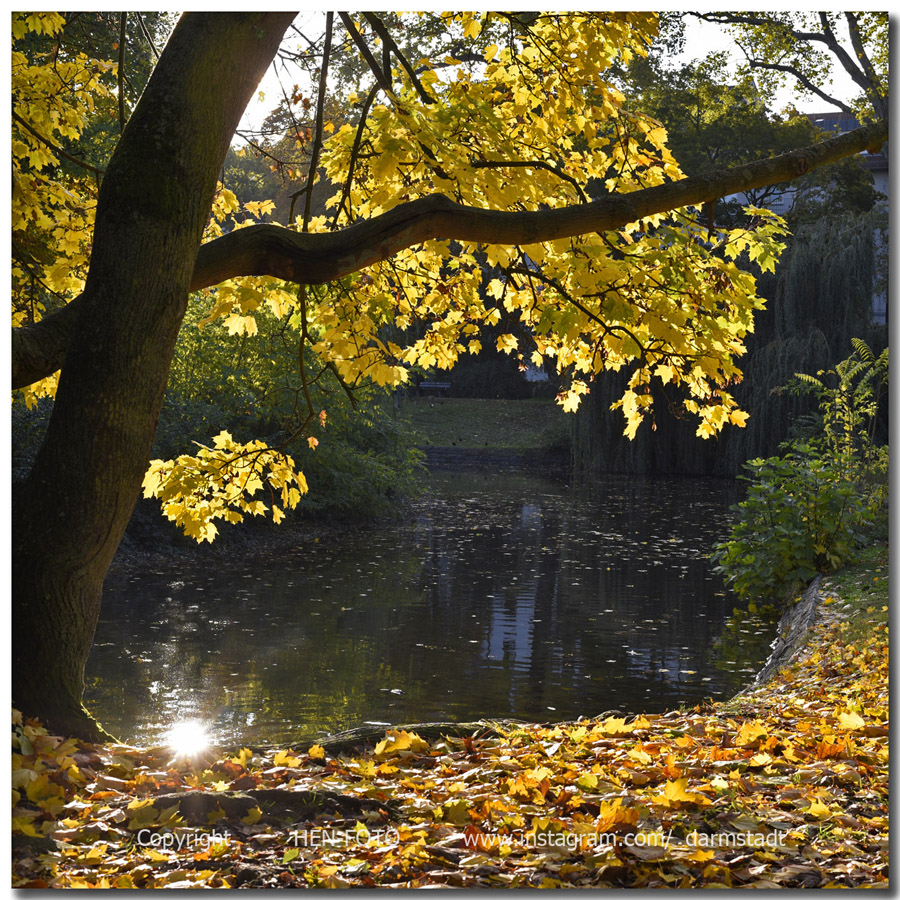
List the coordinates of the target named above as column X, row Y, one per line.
column 253, row 816
column 613, row 725
column 286, row 758
column 677, row 792
column 850, row 720
column 750, row 732
column 818, row 809
column 398, row 741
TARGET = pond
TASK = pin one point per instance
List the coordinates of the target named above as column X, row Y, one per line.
column 504, row 594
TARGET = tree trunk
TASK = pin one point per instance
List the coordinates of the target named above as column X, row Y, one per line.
column 70, row 514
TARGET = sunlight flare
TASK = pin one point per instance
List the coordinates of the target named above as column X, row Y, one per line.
column 188, row 738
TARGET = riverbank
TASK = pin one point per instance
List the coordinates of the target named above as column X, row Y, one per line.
column 786, row 785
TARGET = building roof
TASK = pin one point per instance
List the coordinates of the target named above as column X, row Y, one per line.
column 842, row 122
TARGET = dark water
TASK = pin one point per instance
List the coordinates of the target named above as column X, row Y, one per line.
column 506, row 595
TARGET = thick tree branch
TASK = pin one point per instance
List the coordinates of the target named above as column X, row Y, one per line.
column 38, row 350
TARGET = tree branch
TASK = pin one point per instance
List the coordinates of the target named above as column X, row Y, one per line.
column 320, row 116
column 56, row 149
column 873, row 91
column 146, row 34
column 812, row 88
column 382, row 79
column 862, row 74
column 530, row 164
column 379, row 28
column 38, row 350
column 123, row 34
column 354, row 156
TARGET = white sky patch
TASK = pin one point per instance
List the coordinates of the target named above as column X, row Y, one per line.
column 702, row 38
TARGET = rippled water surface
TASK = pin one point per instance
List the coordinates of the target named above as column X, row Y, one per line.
column 505, row 595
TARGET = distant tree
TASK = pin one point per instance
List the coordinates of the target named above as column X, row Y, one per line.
column 804, row 49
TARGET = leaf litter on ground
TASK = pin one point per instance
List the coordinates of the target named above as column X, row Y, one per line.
column 783, row 786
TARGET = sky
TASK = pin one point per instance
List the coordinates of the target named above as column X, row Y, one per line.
column 701, row 37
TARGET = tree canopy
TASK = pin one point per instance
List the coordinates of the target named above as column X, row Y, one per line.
column 513, row 188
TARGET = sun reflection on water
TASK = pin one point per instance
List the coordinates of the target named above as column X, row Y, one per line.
column 188, row 739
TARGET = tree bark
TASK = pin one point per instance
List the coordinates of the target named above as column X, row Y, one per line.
column 38, row 350
column 71, row 512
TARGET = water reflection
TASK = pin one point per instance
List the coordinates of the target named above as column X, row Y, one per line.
column 505, row 595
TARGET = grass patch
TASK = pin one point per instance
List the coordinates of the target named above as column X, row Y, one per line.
column 487, row 424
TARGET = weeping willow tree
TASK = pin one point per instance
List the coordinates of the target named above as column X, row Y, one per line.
column 819, row 298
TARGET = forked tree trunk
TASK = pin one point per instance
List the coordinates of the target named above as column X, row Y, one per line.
column 71, row 513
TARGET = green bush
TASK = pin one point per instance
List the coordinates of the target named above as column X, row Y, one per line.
column 812, row 508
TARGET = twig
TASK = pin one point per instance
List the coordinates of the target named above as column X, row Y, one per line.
column 123, row 34
column 146, row 34
column 56, row 149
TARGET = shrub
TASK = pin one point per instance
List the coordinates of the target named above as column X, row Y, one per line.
column 810, row 509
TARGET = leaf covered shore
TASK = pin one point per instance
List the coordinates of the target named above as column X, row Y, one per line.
column 785, row 786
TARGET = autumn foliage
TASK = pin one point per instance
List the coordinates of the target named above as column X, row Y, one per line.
column 785, row 786
column 539, row 128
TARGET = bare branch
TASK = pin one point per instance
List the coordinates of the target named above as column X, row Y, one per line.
column 812, row 88
column 382, row 79
column 146, row 34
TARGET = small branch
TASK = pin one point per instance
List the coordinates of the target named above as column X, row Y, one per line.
column 873, row 92
column 57, row 149
column 320, row 115
column 531, row 164
column 146, row 34
column 812, row 88
column 304, row 335
column 259, row 149
column 379, row 28
column 123, row 34
column 363, row 48
column 354, row 155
